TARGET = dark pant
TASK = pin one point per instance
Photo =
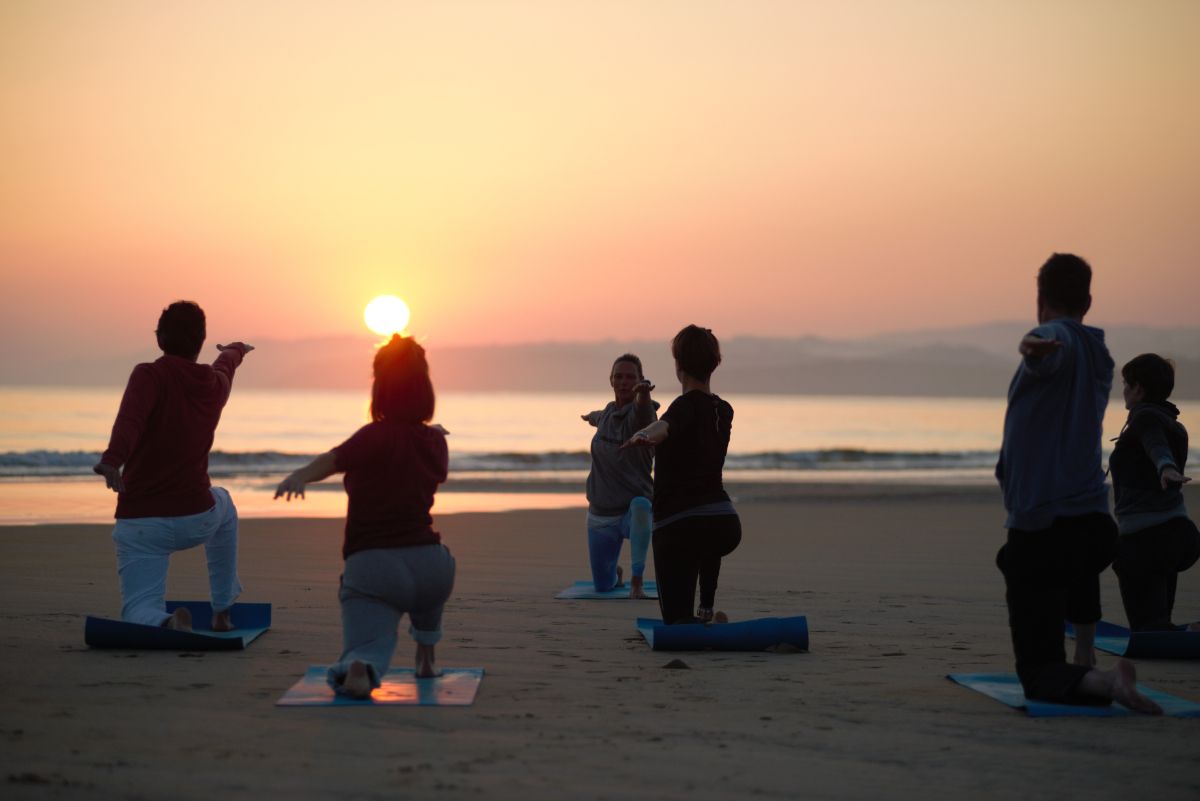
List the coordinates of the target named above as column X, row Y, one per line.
column 1147, row 565
column 1051, row 575
column 686, row 551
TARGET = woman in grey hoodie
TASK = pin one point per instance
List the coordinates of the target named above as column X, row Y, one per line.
column 1157, row 539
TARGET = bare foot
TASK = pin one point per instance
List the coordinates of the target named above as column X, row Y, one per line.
column 720, row 617
column 620, row 576
column 357, row 682
column 222, row 621
column 636, row 588
column 1125, row 691
column 425, row 668
column 180, row 620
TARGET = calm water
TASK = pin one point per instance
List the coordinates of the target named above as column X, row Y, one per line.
column 508, row 450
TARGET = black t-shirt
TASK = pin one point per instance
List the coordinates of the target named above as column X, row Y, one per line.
column 687, row 465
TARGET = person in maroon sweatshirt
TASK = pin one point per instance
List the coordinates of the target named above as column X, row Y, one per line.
column 165, row 501
column 395, row 561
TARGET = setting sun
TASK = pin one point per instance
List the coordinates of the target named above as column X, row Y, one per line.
column 387, row 314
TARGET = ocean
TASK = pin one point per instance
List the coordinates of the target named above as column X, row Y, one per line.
column 507, row 450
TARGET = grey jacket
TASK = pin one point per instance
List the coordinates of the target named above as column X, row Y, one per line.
column 618, row 476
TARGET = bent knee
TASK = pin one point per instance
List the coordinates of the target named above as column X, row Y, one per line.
column 640, row 505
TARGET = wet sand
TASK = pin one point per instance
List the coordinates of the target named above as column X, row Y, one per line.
column 899, row 589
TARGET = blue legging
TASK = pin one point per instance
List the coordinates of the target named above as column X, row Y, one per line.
column 605, row 535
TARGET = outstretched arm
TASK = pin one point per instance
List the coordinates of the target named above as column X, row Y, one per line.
column 648, row 437
column 323, row 466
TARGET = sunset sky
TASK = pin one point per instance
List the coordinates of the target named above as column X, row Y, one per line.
column 522, row 171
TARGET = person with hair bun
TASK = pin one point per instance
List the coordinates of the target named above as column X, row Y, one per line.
column 395, row 561
column 1158, row 540
column 695, row 523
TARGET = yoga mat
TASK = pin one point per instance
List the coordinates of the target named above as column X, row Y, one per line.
column 585, row 591
column 1005, row 688
column 251, row 621
column 455, row 687
column 1119, row 640
column 745, row 635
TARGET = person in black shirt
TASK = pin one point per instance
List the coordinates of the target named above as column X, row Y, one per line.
column 1157, row 538
column 695, row 523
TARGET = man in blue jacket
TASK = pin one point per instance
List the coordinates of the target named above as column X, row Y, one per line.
column 1060, row 534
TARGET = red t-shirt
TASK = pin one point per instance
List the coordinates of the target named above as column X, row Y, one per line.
column 392, row 470
column 164, row 431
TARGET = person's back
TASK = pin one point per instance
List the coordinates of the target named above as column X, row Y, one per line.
column 392, row 470
column 164, row 432
column 1050, row 461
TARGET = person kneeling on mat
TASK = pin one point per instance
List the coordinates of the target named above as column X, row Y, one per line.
column 1060, row 534
column 619, row 485
column 695, row 523
column 165, row 501
column 1158, row 540
column 395, row 562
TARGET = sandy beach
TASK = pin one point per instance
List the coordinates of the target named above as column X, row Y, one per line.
column 899, row 589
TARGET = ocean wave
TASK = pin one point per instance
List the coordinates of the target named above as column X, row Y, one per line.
column 48, row 464
column 52, row 464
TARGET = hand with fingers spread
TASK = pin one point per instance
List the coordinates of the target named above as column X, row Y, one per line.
column 292, row 485
column 1173, row 478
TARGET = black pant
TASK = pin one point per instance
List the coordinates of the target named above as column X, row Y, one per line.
column 1147, row 565
column 1049, row 575
column 687, row 550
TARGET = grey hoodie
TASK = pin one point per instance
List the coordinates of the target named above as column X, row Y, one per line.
column 619, row 476
column 1050, row 461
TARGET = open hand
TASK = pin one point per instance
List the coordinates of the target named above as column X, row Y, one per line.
column 643, row 388
column 639, row 440
column 242, row 346
column 1173, row 478
column 1034, row 347
column 290, row 486
column 441, row 429
column 591, row 417
column 112, row 476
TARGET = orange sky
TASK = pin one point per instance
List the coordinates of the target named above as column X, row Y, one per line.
column 523, row 171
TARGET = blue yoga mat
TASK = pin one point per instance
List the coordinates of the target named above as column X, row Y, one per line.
column 400, row 687
column 251, row 621
column 746, row 635
column 1119, row 640
column 1005, row 688
column 585, row 591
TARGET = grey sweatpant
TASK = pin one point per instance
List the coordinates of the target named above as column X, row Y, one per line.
column 381, row 585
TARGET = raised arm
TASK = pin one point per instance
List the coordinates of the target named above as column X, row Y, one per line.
column 323, row 466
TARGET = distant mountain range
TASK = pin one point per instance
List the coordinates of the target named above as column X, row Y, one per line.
column 974, row 361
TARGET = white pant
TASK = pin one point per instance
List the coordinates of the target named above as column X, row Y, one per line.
column 144, row 545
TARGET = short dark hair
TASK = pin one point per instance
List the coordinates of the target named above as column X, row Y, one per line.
column 1065, row 282
column 696, row 351
column 1154, row 374
column 181, row 329
column 402, row 389
column 627, row 357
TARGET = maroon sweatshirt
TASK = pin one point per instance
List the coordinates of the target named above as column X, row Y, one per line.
column 164, row 431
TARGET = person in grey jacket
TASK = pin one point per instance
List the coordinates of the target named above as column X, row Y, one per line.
column 1060, row 534
column 1158, row 540
column 620, row 485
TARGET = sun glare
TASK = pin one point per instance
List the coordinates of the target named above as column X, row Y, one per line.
column 386, row 315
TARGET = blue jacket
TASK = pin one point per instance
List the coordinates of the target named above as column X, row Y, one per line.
column 1050, row 461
